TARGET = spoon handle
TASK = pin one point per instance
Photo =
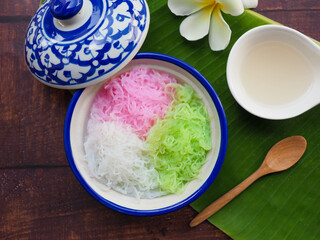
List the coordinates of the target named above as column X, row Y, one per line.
column 226, row 198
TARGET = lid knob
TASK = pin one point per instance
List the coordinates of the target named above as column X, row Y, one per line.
column 65, row 9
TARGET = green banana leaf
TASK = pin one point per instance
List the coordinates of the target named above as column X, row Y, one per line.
column 280, row 206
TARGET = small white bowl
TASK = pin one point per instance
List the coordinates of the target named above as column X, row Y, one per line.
column 75, row 130
column 304, row 46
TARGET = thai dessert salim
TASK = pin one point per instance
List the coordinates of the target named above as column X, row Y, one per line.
column 147, row 135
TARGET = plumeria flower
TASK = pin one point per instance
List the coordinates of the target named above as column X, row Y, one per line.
column 204, row 16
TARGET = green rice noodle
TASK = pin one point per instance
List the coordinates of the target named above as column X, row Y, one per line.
column 178, row 143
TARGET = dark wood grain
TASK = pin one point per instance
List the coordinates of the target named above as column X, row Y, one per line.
column 305, row 21
column 32, row 114
column 39, row 196
column 42, row 202
column 18, row 8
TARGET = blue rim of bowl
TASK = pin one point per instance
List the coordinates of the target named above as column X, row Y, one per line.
column 204, row 186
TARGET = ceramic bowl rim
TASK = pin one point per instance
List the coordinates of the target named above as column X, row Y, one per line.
column 222, row 150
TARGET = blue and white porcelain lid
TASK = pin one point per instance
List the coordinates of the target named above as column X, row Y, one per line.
column 73, row 44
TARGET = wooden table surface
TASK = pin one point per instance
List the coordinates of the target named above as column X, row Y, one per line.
column 40, row 197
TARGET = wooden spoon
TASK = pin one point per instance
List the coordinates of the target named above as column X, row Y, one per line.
column 281, row 156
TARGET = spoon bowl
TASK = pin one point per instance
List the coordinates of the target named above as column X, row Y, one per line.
column 280, row 157
column 285, row 154
column 265, row 66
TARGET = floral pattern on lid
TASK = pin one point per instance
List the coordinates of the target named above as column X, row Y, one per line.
column 87, row 48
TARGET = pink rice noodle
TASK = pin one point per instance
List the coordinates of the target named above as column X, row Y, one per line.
column 137, row 97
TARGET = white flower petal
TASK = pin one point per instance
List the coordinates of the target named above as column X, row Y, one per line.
column 250, row 3
column 187, row 7
column 219, row 32
column 233, row 7
column 196, row 26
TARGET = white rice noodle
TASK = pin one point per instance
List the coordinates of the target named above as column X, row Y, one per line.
column 117, row 157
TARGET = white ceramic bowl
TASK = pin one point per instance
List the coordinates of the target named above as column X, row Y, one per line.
column 308, row 49
column 75, row 131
